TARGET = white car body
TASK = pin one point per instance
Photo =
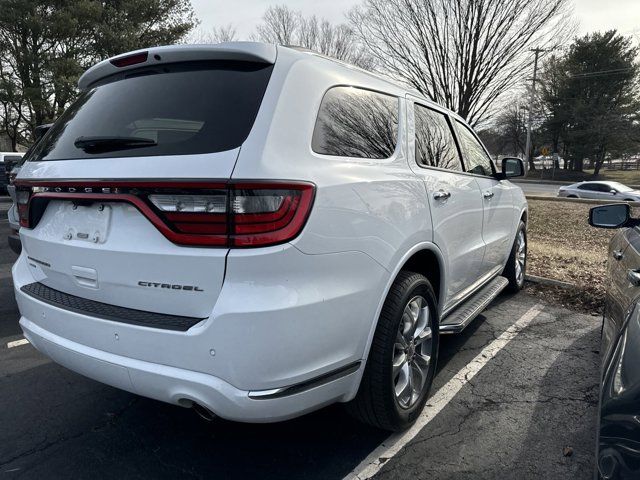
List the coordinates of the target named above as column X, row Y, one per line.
column 285, row 329
column 600, row 190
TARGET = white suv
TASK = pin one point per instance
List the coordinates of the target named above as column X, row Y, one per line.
column 258, row 231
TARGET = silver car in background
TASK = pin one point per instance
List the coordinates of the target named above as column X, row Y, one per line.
column 600, row 191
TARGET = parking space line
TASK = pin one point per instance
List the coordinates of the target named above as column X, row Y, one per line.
column 17, row 343
column 393, row 444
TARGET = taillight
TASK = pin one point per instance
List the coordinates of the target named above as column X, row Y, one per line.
column 266, row 215
column 22, row 201
column 254, row 214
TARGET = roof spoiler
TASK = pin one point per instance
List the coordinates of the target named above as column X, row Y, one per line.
column 238, row 51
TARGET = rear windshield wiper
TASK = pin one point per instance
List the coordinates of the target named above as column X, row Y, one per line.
column 108, row 144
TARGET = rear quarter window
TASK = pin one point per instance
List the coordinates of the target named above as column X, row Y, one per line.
column 178, row 109
column 358, row 123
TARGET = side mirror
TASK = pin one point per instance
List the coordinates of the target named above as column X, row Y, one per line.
column 617, row 215
column 512, row 167
column 612, row 192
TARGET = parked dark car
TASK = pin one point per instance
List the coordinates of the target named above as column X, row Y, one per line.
column 618, row 444
column 7, row 162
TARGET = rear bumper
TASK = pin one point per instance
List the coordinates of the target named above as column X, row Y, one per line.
column 181, row 387
column 269, row 351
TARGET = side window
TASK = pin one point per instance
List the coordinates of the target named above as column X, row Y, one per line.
column 435, row 145
column 594, row 187
column 353, row 122
column 476, row 159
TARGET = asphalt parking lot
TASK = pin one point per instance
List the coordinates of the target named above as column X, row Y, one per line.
column 508, row 398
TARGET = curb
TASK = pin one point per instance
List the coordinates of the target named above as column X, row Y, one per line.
column 577, row 200
column 4, row 199
column 548, row 281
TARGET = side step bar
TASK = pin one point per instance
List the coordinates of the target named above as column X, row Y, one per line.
column 457, row 320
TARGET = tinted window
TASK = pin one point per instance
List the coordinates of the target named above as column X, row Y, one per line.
column 353, row 122
column 475, row 158
column 594, row 187
column 183, row 108
column 435, row 146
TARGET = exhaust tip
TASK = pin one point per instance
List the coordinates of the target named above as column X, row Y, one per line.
column 204, row 412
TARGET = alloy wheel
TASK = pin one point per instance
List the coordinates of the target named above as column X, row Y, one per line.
column 412, row 352
column 521, row 256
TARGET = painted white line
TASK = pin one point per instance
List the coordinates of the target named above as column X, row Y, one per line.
column 393, row 444
column 17, row 343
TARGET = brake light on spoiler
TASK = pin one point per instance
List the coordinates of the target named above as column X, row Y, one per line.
column 232, row 214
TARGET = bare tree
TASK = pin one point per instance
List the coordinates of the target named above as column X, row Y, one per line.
column 280, row 25
column 219, row 34
column 463, row 54
column 511, row 124
column 284, row 26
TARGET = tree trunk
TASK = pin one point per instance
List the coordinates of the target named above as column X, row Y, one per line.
column 578, row 164
column 599, row 161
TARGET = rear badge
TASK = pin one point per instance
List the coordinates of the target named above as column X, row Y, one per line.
column 169, row 286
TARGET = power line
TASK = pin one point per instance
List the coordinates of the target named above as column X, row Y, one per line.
column 601, row 72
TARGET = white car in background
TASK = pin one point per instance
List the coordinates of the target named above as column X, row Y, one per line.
column 280, row 232
column 600, row 191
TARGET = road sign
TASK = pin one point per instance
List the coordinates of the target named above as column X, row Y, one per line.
column 545, row 151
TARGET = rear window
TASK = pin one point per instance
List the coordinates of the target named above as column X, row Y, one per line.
column 175, row 109
column 353, row 122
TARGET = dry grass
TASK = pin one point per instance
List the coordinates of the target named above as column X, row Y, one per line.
column 628, row 177
column 564, row 247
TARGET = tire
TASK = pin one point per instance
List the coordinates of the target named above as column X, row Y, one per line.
column 572, row 196
column 376, row 402
column 517, row 257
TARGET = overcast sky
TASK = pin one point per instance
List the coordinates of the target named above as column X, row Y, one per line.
column 245, row 14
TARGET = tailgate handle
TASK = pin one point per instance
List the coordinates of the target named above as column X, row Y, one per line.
column 87, row 277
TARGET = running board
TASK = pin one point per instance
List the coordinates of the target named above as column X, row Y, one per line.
column 457, row 320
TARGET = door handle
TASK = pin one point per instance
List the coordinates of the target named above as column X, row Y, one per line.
column 634, row 277
column 441, row 195
column 617, row 254
column 488, row 194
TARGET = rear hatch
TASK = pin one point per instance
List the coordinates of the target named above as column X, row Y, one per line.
column 123, row 199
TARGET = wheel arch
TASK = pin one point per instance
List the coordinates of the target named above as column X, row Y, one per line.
column 428, row 257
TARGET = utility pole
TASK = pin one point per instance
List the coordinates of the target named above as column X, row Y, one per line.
column 529, row 153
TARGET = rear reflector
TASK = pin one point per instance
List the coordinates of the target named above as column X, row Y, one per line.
column 235, row 214
column 129, row 60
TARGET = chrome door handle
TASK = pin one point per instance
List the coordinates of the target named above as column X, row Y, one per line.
column 617, row 254
column 634, row 277
column 488, row 194
column 441, row 195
